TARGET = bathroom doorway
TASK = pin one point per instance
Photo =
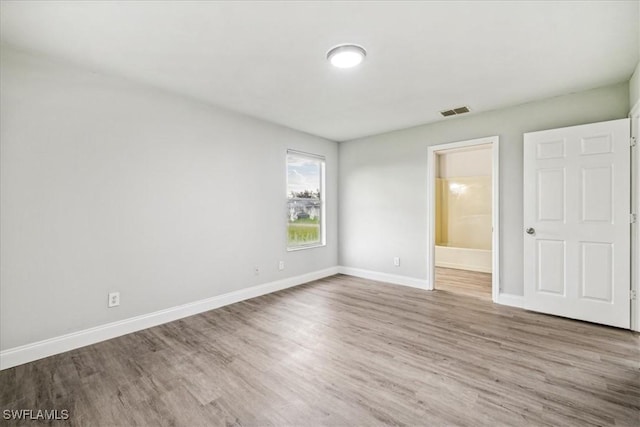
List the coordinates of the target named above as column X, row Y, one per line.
column 463, row 217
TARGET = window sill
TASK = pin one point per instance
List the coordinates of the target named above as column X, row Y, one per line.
column 301, row 248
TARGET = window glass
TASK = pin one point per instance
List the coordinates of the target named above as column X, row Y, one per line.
column 305, row 208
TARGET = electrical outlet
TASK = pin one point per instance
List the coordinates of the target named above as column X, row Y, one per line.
column 281, row 265
column 396, row 261
column 256, row 270
column 114, row 299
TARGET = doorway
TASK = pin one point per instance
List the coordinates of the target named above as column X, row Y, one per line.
column 463, row 214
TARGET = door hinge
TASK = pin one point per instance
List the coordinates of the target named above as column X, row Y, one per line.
column 633, row 218
column 632, row 294
column 632, row 141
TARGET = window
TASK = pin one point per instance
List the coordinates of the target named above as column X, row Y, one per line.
column 305, row 200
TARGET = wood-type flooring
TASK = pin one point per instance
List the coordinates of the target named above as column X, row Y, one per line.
column 463, row 282
column 344, row 351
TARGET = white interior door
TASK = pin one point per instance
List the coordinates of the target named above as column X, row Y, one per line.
column 577, row 222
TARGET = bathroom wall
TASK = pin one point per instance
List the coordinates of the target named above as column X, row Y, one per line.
column 463, row 195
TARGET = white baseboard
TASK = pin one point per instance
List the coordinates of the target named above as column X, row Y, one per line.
column 468, row 267
column 38, row 350
column 510, row 299
column 385, row 277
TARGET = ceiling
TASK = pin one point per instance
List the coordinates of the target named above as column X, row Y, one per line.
column 268, row 59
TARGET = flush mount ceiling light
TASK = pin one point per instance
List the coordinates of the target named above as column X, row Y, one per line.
column 346, row 55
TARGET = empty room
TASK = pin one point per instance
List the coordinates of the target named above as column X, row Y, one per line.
column 286, row 213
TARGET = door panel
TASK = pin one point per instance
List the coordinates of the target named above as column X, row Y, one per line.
column 597, row 271
column 551, row 149
column 598, row 144
column 576, row 217
column 597, row 194
column 551, row 195
column 551, row 261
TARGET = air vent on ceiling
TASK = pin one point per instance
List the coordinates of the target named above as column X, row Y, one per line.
column 455, row 111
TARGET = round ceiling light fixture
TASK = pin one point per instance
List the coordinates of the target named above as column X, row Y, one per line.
column 346, row 55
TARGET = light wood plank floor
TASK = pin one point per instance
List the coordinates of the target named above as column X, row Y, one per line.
column 345, row 351
column 463, row 282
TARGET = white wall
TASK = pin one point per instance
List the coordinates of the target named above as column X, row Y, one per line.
column 383, row 180
column 634, row 87
column 108, row 185
column 461, row 163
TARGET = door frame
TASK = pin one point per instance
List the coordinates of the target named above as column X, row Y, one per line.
column 495, row 207
column 634, row 115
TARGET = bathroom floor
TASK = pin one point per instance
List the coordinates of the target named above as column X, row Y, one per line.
column 463, row 282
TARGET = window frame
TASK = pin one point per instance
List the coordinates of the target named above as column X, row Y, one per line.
column 322, row 194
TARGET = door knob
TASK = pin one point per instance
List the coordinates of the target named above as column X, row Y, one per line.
column 530, row 230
